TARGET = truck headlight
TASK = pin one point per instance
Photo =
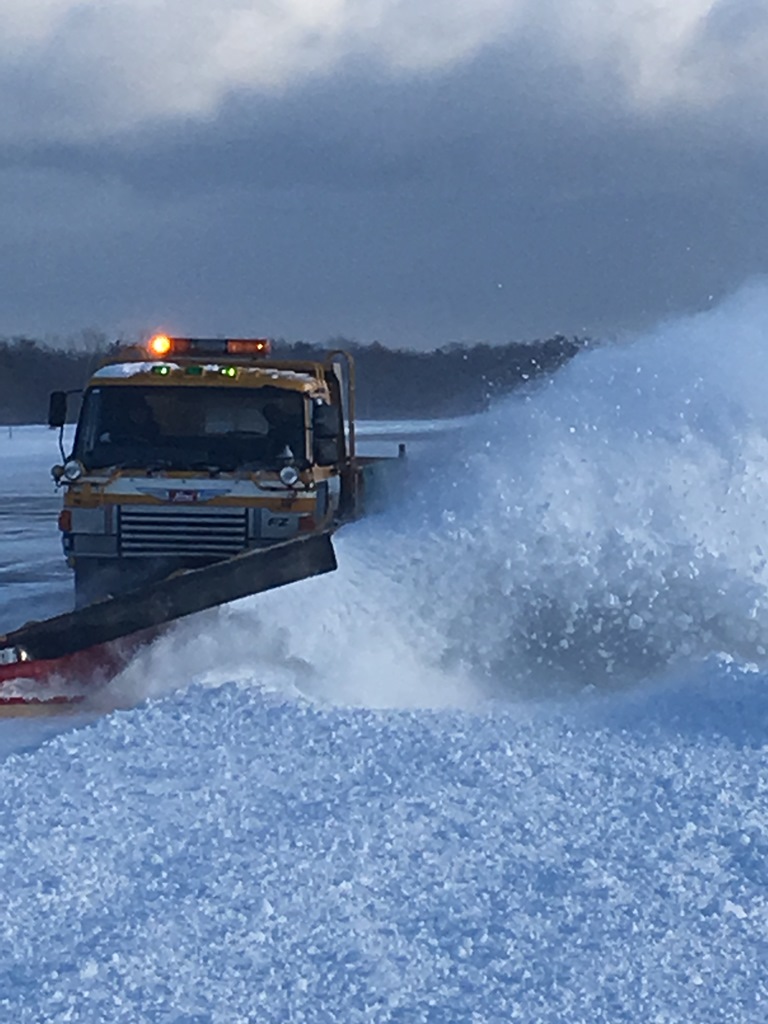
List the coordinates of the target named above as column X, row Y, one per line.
column 289, row 476
column 72, row 471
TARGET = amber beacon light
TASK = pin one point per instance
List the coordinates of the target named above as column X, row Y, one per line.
column 160, row 345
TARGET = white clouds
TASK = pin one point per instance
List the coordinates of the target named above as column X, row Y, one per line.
column 25, row 23
column 676, row 52
column 79, row 68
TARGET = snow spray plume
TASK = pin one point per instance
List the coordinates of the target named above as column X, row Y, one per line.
column 612, row 522
column 602, row 528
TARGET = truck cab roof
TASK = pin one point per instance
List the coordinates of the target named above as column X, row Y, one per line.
column 307, row 378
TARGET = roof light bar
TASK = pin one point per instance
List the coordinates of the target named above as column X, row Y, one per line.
column 162, row 345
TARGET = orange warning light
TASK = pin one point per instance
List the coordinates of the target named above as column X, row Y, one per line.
column 160, row 345
column 248, row 346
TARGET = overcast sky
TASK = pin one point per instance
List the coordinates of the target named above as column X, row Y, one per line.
column 418, row 172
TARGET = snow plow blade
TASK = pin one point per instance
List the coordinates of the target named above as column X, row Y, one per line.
column 184, row 593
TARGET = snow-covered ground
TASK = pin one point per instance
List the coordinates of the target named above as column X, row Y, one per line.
column 508, row 763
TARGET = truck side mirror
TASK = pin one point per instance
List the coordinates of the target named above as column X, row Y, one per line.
column 57, row 409
column 326, row 434
column 325, row 422
column 326, row 451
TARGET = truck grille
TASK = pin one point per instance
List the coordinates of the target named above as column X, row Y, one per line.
column 171, row 531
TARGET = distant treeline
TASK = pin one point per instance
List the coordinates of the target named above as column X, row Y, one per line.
column 451, row 381
column 391, row 383
column 29, row 371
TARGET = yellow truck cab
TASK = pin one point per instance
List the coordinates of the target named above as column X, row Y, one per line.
column 188, row 451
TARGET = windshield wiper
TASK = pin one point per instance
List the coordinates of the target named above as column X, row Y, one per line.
column 157, row 465
column 212, row 469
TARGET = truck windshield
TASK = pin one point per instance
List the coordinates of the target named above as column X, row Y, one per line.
column 191, row 428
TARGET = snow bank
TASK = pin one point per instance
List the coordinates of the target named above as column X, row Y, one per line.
column 221, row 857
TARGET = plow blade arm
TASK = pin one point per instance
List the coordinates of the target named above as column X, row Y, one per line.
column 182, row 594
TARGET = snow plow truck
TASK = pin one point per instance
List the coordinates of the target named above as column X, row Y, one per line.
column 202, row 470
